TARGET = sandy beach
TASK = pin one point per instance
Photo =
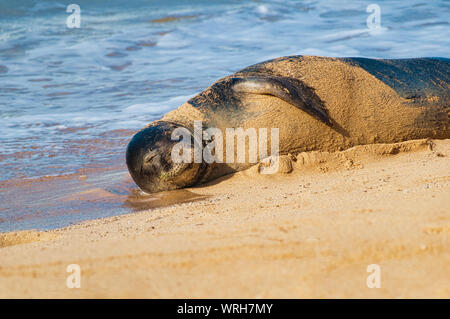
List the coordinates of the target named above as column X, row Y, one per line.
column 308, row 234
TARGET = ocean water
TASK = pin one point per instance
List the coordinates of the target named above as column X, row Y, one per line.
column 70, row 99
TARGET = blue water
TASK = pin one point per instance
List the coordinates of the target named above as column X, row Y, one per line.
column 71, row 98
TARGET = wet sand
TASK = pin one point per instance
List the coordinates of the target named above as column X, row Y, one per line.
column 311, row 233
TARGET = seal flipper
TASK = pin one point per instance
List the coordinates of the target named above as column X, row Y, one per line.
column 290, row 90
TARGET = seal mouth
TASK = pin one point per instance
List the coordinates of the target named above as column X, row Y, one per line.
column 149, row 160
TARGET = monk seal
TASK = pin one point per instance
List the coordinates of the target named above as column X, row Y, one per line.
column 317, row 103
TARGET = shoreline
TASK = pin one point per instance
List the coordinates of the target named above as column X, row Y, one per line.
column 308, row 234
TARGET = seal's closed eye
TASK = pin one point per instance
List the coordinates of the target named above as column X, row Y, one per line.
column 149, row 157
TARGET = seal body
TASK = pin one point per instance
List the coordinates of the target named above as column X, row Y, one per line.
column 317, row 103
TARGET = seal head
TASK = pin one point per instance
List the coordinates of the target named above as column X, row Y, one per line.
column 150, row 163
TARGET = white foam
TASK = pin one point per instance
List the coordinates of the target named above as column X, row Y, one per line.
column 156, row 108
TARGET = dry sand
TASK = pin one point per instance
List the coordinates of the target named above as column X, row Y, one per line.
column 311, row 233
